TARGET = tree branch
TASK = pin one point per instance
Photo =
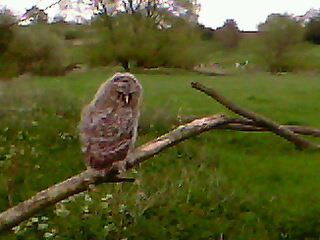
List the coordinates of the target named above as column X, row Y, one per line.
column 245, row 125
column 258, row 119
column 125, row 6
column 131, row 6
column 302, row 130
column 80, row 182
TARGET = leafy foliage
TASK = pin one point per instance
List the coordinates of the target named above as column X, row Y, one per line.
column 228, row 35
column 280, row 35
column 137, row 40
column 154, row 9
column 37, row 50
column 313, row 30
column 6, row 31
column 206, row 32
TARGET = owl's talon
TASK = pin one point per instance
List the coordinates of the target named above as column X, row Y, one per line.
column 119, row 166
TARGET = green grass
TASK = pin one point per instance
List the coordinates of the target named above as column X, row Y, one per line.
column 219, row 185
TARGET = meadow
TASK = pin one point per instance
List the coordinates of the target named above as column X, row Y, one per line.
column 219, row 185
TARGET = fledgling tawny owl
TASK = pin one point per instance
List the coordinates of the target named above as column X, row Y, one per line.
column 108, row 127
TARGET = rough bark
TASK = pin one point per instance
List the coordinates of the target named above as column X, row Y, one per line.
column 81, row 182
column 250, row 126
column 245, row 125
column 258, row 119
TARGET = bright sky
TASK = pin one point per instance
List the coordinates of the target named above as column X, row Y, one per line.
column 247, row 13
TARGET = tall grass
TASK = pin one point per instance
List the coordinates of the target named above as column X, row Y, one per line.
column 220, row 185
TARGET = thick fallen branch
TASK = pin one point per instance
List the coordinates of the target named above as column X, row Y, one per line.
column 250, row 126
column 245, row 125
column 79, row 183
column 258, row 119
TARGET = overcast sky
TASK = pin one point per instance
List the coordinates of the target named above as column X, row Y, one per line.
column 247, row 13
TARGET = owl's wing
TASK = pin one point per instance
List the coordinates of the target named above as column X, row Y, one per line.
column 104, row 139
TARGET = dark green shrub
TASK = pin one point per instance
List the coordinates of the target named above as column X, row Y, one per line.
column 72, row 34
column 37, row 50
column 280, row 36
column 137, row 40
column 182, row 47
column 313, row 31
column 6, row 36
column 228, row 35
column 6, row 31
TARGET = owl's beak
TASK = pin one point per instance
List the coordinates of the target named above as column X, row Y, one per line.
column 126, row 98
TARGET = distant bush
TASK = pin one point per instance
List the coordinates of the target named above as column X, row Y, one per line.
column 137, row 40
column 72, row 34
column 207, row 33
column 228, row 35
column 6, row 36
column 37, row 50
column 280, row 36
column 182, row 47
column 313, row 31
column 6, row 31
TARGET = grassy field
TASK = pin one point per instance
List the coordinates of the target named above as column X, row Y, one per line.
column 219, row 185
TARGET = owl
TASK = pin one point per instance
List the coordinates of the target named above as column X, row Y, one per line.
column 108, row 126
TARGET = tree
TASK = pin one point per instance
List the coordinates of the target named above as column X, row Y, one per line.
column 313, row 30
column 228, row 35
column 279, row 35
column 6, row 32
column 155, row 9
column 27, row 52
column 135, row 37
column 145, row 37
column 207, row 33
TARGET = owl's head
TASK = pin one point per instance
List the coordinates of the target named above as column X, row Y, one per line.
column 126, row 88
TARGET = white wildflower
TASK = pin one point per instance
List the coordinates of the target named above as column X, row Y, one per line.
column 65, row 201
column 87, row 198
column 29, row 223
column 48, row 235
column 122, row 208
column 34, row 220
column 104, row 205
column 44, row 218
column 85, row 209
column 61, row 210
column 106, row 197
column 16, row 229
column 43, row 226
column 72, row 198
column 109, row 227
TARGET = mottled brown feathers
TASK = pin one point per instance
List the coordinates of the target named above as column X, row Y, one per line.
column 108, row 126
